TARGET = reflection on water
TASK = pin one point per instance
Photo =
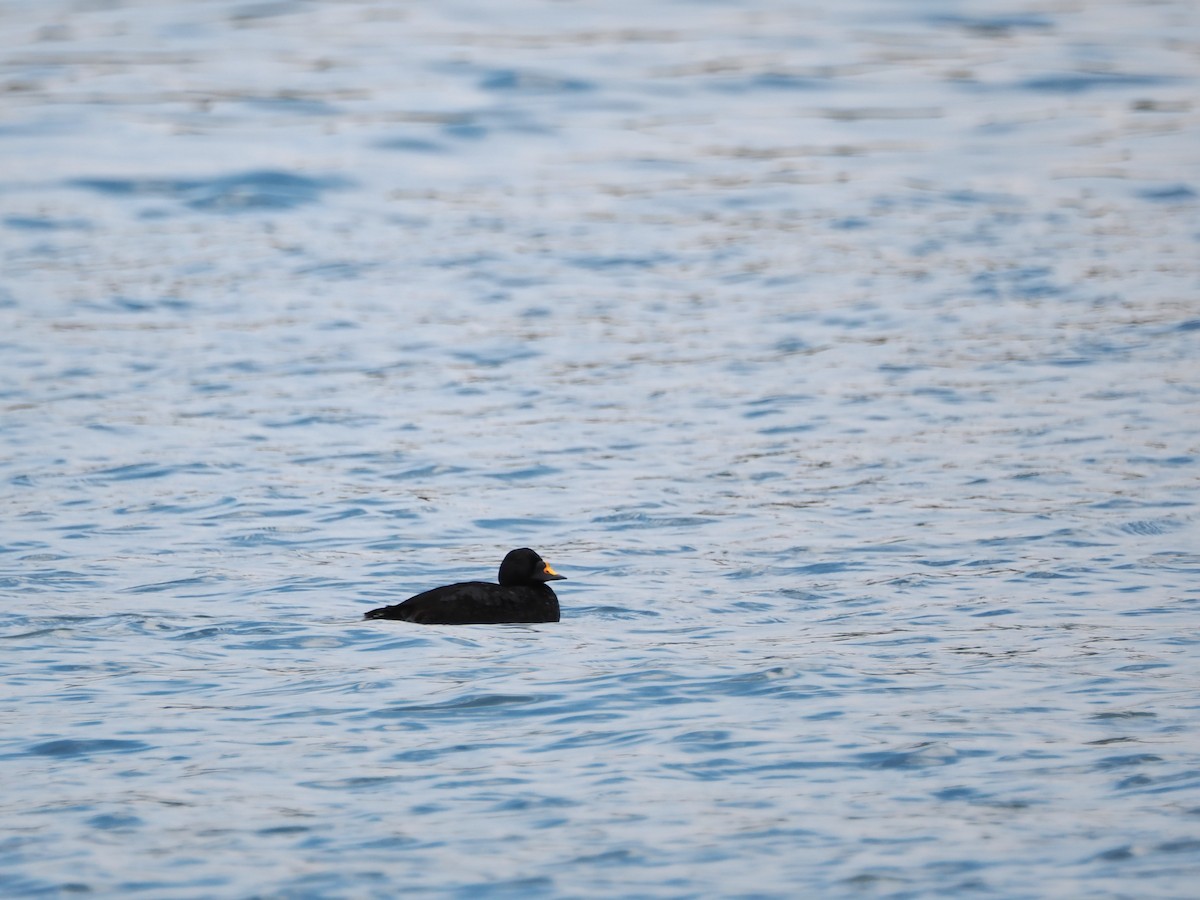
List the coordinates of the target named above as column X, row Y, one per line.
column 844, row 359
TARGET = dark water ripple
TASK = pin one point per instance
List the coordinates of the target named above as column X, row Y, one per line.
column 843, row 357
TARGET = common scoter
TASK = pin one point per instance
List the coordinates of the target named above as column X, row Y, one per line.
column 521, row 596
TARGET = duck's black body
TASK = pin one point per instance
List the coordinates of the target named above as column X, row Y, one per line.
column 521, row 596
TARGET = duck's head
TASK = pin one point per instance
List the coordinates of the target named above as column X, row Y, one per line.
column 524, row 566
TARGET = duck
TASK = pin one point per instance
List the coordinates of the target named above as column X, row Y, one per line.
column 521, row 596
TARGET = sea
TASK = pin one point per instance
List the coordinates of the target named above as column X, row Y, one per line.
column 844, row 357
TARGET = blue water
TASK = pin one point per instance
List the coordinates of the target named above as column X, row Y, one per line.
column 844, row 357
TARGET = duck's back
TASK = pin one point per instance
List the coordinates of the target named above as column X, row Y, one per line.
column 475, row 603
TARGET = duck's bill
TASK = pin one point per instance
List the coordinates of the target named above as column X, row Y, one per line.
column 548, row 574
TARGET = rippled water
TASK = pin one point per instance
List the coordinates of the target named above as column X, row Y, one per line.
column 843, row 356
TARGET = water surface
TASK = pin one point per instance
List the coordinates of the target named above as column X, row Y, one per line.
column 844, row 359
